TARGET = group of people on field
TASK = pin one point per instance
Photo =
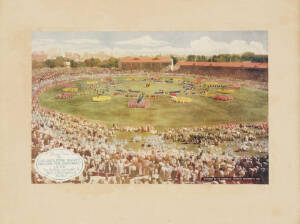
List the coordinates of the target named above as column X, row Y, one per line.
column 157, row 159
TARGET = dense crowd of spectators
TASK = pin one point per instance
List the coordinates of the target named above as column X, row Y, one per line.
column 158, row 160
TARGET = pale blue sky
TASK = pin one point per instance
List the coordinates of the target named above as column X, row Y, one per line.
column 143, row 43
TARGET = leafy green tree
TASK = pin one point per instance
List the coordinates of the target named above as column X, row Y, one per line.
column 175, row 59
column 235, row 58
column 59, row 62
column 191, row 57
column 74, row 64
column 37, row 64
column 181, row 58
column 248, row 56
column 224, row 57
column 113, row 62
column 110, row 63
column 92, row 62
column 50, row 63
column 214, row 58
column 200, row 58
column 260, row 58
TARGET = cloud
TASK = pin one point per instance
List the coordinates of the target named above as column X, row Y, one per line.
column 144, row 51
column 202, row 46
column 55, row 47
column 42, row 41
column 146, row 41
column 145, row 45
column 59, row 49
column 207, row 46
column 82, row 41
column 47, row 40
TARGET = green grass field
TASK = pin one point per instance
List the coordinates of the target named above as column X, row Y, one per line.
column 248, row 105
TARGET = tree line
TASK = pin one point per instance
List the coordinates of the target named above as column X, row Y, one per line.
column 247, row 56
column 91, row 62
column 113, row 62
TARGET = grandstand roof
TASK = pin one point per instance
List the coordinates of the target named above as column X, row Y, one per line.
column 225, row 64
column 146, row 59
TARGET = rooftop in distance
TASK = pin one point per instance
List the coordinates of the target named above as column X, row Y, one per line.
column 146, row 59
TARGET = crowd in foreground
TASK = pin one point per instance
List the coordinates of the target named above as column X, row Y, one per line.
column 108, row 160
